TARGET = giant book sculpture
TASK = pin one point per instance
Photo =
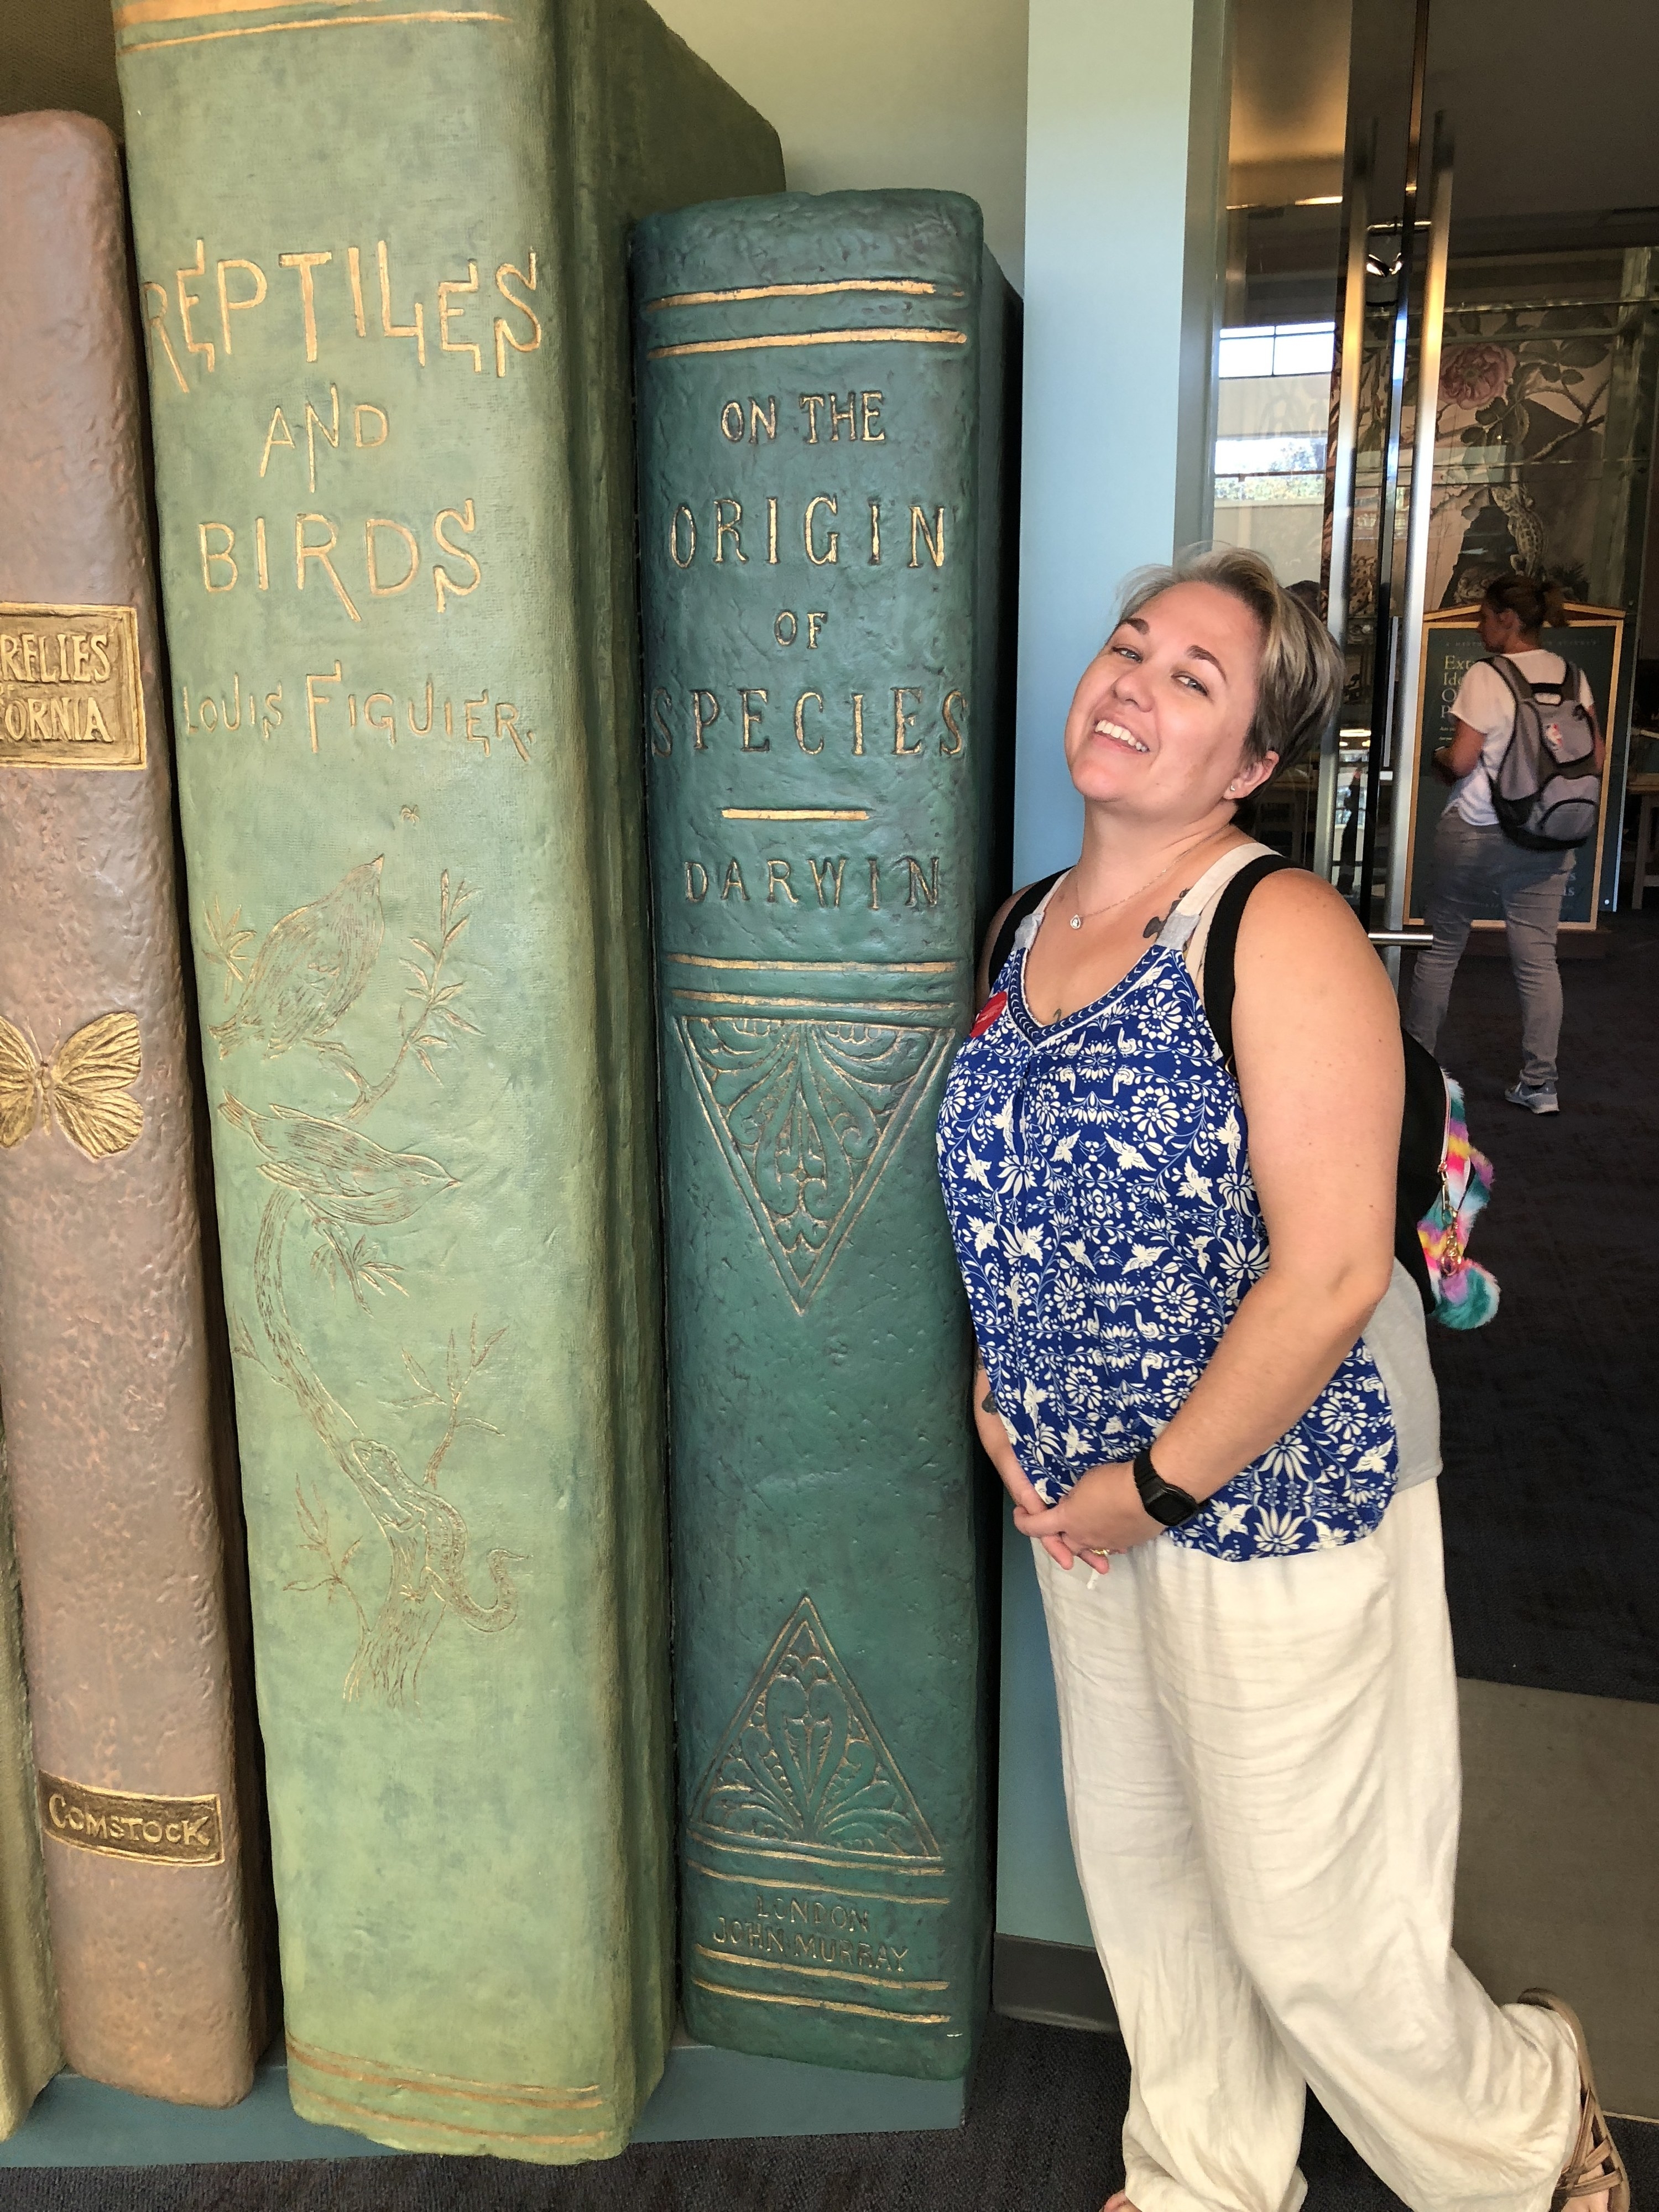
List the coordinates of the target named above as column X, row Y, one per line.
column 29, row 2053
column 388, row 357
column 820, row 386
column 117, row 1475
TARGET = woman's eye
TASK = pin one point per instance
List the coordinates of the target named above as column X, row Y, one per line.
column 1126, row 653
column 1183, row 677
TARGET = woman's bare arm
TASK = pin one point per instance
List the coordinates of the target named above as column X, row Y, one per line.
column 1320, row 1067
column 1316, row 1039
column 1464, row 751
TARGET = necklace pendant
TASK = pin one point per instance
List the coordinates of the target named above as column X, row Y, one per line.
column 1077, row 921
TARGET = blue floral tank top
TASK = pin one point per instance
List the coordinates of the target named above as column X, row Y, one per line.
column 1097, row 1176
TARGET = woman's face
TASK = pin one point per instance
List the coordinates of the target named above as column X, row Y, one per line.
column 1158, row 721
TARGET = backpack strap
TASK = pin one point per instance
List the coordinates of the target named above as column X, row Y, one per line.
column 1519, row 686
column 1027, row 901
column 1219, row 981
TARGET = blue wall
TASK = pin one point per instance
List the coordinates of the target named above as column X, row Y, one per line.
column 1125, row 165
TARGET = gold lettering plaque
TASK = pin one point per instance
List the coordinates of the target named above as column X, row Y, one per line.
column 70, row 691
column 163, row 1831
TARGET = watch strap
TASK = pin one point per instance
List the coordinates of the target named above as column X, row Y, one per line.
column 1163, row 1500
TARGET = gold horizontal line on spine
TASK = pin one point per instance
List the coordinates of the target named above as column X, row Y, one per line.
column 778, row 339
column 823, row 2004
column 455, row 2127
column 794, row 814
column 850, row 1012
column 912, row 287
column 858, row 1896
column 926, row 1870
column 824, row 967
column 831, row 1973
column 373, row 2076
column 313, row 23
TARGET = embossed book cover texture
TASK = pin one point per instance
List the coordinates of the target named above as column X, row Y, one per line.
column 104, row 1352
column 29, row 2053
column 819, row 385
column 383, row 256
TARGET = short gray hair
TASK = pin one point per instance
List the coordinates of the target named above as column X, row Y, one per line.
column 1301, row 675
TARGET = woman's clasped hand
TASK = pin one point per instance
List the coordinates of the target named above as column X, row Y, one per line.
column 1100, row 1515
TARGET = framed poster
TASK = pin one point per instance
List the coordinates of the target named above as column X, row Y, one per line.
column 1452, row 646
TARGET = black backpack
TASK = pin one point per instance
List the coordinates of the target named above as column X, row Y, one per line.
column 1546, row 790
column 1423, row 1131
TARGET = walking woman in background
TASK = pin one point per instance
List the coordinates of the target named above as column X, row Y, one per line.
column 1476, row 865
column 1204, row 1381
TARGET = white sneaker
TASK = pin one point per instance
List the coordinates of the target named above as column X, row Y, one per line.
column 1534, row 1097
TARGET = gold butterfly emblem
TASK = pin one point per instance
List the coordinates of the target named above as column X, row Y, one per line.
column 84, row 1086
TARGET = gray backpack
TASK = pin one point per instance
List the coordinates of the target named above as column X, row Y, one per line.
column 1546, row 790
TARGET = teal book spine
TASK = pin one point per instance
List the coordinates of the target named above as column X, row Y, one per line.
column 383, row 277
column 821, row 383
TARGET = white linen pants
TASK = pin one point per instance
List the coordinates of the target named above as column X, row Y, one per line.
column 1263, row 1782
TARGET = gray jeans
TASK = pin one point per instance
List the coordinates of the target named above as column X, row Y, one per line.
column 1473, row 868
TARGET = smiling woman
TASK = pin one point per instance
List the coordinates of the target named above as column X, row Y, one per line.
column 1179, row 1247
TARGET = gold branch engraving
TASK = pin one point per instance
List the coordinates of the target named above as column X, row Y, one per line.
column 342, row 1190
column 120, row 1824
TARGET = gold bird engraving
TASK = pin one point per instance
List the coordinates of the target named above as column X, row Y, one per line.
column 82, row 1086
column 311, row 968
column 337, row 1174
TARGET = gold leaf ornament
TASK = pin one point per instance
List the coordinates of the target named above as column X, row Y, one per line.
column 82, row 1086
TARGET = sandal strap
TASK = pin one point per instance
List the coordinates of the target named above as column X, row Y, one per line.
column 1593, row 2165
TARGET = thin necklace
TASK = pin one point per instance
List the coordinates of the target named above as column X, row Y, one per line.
column 1080, row 917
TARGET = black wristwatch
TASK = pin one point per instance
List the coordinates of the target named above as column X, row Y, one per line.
column 1162, row 1499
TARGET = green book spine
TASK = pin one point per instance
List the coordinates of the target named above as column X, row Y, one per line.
column 29, row 2054
column 382, row 255
column 819, row 383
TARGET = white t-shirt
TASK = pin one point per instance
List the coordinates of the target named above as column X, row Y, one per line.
column 1487, row 703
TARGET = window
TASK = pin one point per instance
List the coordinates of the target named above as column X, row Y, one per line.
column 1272, row 418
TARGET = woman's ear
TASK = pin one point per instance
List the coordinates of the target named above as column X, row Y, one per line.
column 1250, row 776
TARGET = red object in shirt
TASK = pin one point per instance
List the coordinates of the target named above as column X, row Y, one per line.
column 989, row 1014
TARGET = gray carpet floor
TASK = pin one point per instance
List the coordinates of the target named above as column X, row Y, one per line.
column 1042, row 2135
column 1550, row 1494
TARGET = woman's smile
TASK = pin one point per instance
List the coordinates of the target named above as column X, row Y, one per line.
column 1114, row 734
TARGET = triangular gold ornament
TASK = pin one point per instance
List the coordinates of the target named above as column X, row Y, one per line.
column 807, row 1113
column 803, row 1766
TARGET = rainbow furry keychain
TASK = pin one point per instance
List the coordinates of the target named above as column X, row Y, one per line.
column 1465, row 1295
